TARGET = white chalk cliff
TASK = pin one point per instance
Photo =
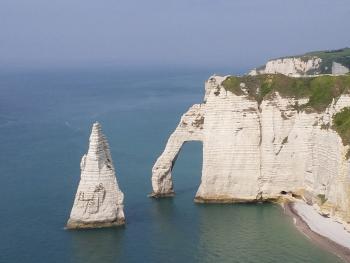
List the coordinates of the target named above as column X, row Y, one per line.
column 295, row 67
column 262, row 151
column 98, row 201
column 336, row 62
column 339, row 69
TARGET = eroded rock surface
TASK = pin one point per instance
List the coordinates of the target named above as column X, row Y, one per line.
column 98, row 201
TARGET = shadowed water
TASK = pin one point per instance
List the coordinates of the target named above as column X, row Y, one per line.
column 45, row 121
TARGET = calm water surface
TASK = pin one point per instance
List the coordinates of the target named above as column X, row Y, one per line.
column 45, row 120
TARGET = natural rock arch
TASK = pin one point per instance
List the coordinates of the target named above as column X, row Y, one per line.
column 190, row 128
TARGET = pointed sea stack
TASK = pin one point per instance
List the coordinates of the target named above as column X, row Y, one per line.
column 98, row 201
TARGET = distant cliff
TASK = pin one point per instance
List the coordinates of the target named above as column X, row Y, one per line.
column 336, row 62
column 268, row 137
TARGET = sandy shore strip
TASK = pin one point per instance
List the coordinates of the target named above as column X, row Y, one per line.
column 323, row 231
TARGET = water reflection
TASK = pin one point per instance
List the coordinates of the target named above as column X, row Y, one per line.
column 97, row 245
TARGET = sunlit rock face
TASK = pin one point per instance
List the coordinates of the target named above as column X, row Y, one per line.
column 98, row 201
column 291, row 67
column 261, row 151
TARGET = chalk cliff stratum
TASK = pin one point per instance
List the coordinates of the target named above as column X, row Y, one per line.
column 268, row 137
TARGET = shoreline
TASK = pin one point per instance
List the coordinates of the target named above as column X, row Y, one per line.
column 321, row 240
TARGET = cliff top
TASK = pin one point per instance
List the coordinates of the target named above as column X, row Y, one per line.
column 320, row 90
column 324, row 54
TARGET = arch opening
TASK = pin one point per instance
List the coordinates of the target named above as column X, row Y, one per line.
column 187, row 172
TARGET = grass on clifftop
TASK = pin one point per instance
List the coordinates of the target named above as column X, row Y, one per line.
column 320, row 90
column 330, row 54
column 341, row 124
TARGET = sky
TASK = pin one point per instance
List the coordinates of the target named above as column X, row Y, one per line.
column 198, row 33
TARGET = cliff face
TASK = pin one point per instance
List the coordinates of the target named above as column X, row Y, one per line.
column 263, row 149
column 336, row 62
column 98, row 201
column 290, row 66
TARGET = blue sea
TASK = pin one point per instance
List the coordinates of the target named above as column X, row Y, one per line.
column 45, row 121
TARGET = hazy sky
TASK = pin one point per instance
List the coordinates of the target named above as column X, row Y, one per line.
column 229, row 33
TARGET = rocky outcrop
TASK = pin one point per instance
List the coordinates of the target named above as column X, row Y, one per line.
column 262, row 150
column 98, row 201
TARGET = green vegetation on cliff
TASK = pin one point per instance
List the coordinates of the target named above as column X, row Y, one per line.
column 320, row 90
column 341, row 124
column 330, row 54
column 322, row 198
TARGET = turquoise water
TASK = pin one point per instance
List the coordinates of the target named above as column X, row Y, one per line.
column 45, row 120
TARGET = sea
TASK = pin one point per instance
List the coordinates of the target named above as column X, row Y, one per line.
column 45, row 121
